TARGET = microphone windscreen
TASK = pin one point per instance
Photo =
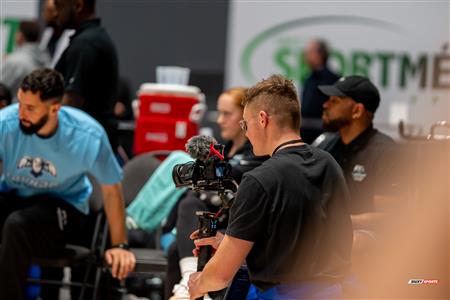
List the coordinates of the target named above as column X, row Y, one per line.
column 198, row 146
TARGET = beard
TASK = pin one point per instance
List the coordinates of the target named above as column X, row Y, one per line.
column 335, row 125
column 33, row 127
column 66, row 19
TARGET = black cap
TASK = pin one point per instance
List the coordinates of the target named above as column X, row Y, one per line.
column 358, row 88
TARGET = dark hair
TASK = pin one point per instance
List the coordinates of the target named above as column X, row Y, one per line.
column 90, row 4
column 322, row 49
column 30, row 30
column 277, row 96
column 48, row 83
column 5, row 94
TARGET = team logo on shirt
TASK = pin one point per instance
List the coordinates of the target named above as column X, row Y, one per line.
column 37, row 165
column 359, row 173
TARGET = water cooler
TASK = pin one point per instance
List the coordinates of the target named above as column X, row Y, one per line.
column 169, row 114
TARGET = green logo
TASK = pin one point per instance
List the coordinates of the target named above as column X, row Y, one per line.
column 13, row 25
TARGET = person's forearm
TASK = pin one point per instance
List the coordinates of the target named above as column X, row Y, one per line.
column 115, row 212
column 212, row 280
column 369, row 220
column 220, row 269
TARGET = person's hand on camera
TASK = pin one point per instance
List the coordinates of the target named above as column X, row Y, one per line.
column 121, row 261
column 213, row 241
column 193, row 283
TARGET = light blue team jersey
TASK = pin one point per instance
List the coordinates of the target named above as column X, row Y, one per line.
column 56, row 165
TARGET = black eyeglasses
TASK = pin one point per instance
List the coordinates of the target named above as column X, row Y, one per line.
column 243, row 125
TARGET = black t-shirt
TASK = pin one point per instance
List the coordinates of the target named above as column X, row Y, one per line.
column 371, row 166
column 90, row 69
column 294, row 208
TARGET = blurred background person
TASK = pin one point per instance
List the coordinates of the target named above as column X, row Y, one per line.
column 54, row 38
column 5, row 96
column 89, row 64
column 122, row 108
column 26, row 58
column 316, row 57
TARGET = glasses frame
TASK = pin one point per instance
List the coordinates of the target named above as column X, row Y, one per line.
column 244, row 125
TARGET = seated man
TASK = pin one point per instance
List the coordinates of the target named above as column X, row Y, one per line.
column 369, row 159
column 46, row 152
column 289, row 220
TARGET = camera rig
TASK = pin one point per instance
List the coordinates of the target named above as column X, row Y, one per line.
column 209, row 172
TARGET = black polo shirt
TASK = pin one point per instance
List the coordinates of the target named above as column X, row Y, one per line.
column 370, row 164
column 90, row 69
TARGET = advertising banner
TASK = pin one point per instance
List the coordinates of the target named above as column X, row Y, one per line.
column 402, row 46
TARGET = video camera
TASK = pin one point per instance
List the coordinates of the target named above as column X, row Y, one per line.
column 209, row 172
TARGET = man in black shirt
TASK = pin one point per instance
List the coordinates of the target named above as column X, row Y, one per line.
column 89, row 65
column 361, row 150
column 289, row 219
column 366, row 155
column 316, row 57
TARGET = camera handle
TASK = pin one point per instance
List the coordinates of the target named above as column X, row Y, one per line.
column 207, row 228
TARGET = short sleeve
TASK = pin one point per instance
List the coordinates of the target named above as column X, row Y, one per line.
column 78, row 73
column 2, row 135
column 248, row 214
column 106, row 168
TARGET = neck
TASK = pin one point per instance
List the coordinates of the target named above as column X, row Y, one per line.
column 49, row 128
column 318, row 67
column 283, row 138
column 85, row 17
column 352, row 131
column 237, row 144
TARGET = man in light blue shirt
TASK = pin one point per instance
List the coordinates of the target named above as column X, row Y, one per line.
column 46, row 151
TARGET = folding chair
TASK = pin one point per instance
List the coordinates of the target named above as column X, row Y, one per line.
column 76, row 255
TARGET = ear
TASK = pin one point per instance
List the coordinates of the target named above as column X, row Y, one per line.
column 358, row 110
column 79, row 6
column 55, row 107
column 263, row 118
column 19, row 93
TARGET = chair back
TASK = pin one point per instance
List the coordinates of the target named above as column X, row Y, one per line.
column 136, row 173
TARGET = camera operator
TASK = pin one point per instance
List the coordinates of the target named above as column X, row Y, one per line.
column 238, row 151
column 289, row 220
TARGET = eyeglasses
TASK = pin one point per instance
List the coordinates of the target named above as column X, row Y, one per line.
column 243, row 125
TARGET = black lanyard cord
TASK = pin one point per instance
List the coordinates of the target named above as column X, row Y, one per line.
column 287, row 143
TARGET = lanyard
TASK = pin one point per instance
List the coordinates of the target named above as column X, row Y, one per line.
column 287, row 143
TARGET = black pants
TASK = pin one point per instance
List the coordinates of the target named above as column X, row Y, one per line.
column 38, row 226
